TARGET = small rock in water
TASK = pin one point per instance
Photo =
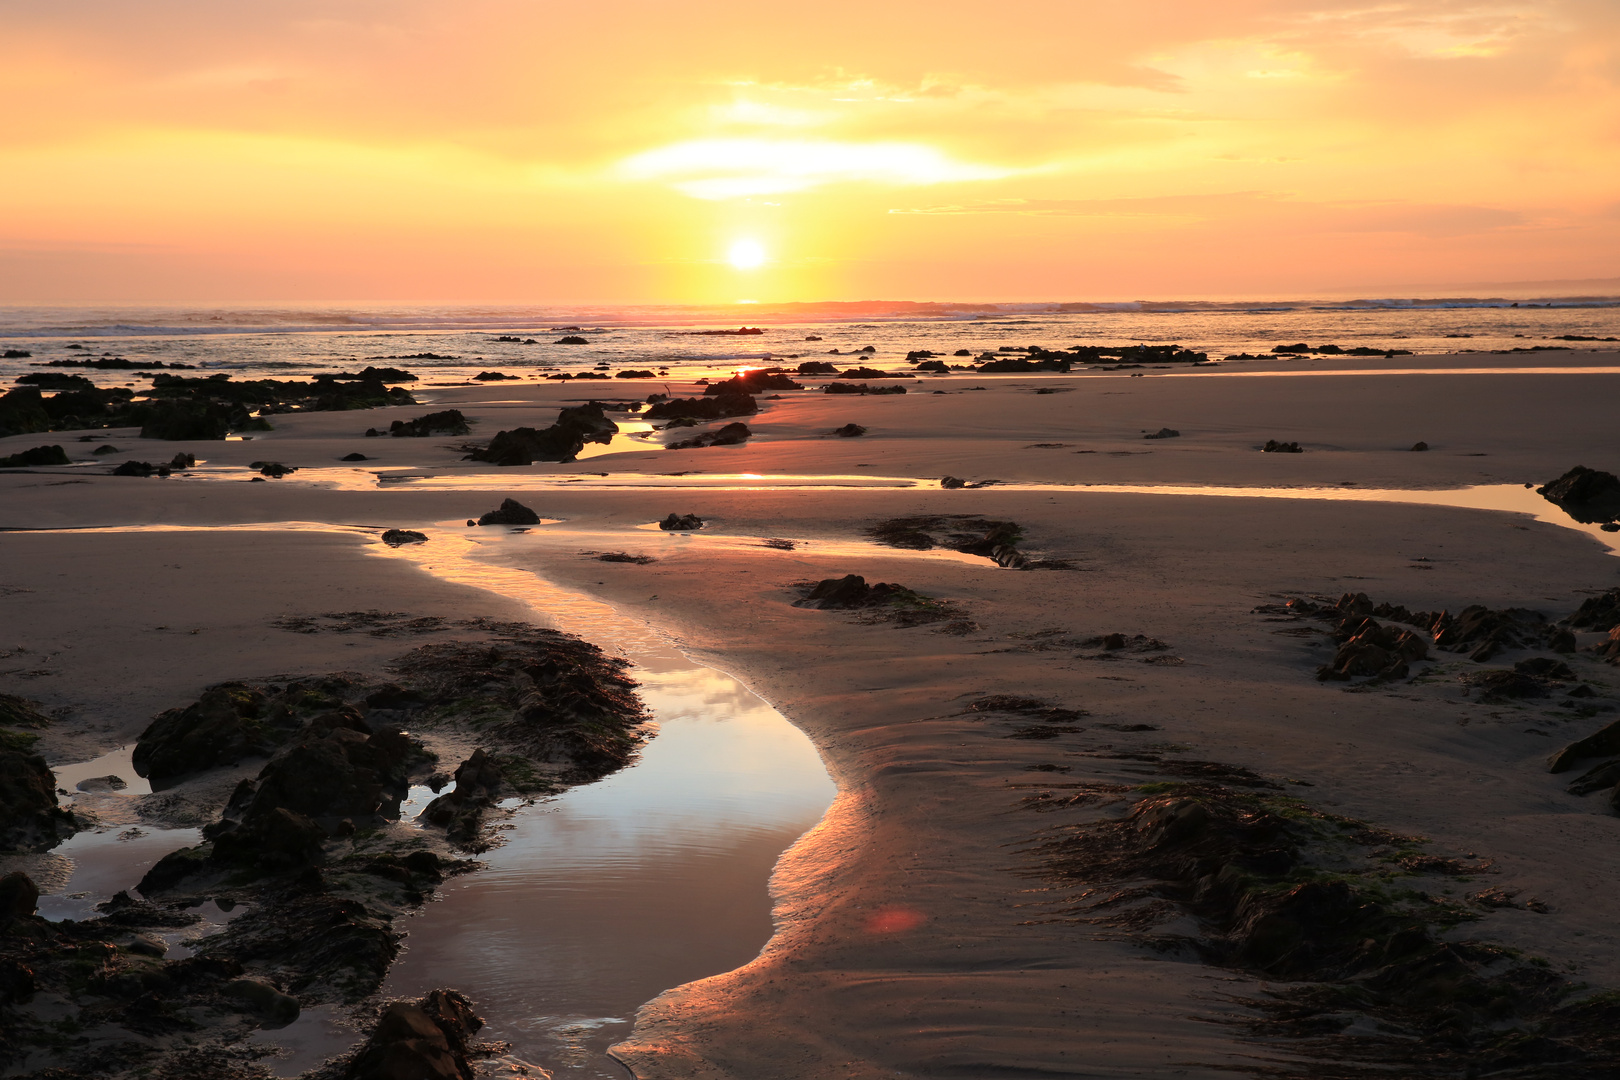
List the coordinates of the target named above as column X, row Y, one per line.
column 1420, row 446
column 1164, row 433
column 849, row 431
column 354, row 457
column 1274, row 447
column 681, row 523
column 264, row 998
column 102, row 783
column 273, row 469
column 511, row 512
column 398, row 537
column 951, row 483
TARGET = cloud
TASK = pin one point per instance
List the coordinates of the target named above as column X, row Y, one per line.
column 1424, row 219
column 731, row 168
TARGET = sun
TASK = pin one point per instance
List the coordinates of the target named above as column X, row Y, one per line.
column 746, row 255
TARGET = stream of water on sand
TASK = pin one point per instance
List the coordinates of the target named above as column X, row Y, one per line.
column 604, row 897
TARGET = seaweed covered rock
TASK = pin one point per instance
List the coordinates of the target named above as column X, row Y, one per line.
column 277, row 841
column 30, row 820
column 849, row 591
column 39, row 455
column 681, row 523
column 460, row 811
column 1587, row 495
column 187, row 419
column 401, row 537
column 510, row 512
column 429, row 1039
column 1274, row 447
column 849, row 431
column 562, row 441
column 340, row 768
column 860, row 388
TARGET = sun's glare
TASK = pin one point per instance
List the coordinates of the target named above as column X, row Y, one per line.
column 746, row 255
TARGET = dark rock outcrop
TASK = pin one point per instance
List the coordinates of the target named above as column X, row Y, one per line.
column 681, row 523
column 39, row 455
column 757, row 381
column 562, row 441
column 720, row 407
column 1274, row 447
column 1164, row 433
column 860, row 388
column 849, row 431
column 1598, row 612
column 22, row 411
column 447, row 422
column 1587, row 495
column 224, row 726
column 460, row 811
column 510, row 512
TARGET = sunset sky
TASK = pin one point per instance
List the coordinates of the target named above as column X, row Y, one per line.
column 711, row 150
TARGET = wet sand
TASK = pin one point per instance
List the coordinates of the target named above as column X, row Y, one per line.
column 912, row 938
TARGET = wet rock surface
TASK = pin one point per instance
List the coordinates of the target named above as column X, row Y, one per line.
column 562, row 441
column 681, row 523
column 720, row 407
column 401, row 537
column 448, row 422
column 38, row 456
column 427, row 1039
column 1272, row 446
column 880, row 602
column 994, row 540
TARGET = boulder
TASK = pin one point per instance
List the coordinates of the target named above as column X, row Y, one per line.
column 278, row 840
column 39, row 455
column 1605, row 742
column 571, row 339
column 849, row 591
column 460, row 811
column 860, row 388
column 22, row 412
column 681, row 523
column 952, row 483
column 849, row 431
column 19, row 896
column 187, row 419
column 1587, row 495
column 265, row 999
column 1420, row 446
column 140, row 468
column 400, row 537
column 1274, row 447
column 29, row 816
column 222, row 727
column 756, row 381
column 511, row 512
column 429, row 1039
column 275, row 470
column 817, row 367
column 354, row 457
column 1164, row 433
column 719, row 407
column 1545, row 667
column 526, row 445
column 334, row 772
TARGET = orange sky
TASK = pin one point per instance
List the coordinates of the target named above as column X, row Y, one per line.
column 544, row 151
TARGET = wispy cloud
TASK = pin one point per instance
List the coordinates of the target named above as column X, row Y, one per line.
column 731, row 168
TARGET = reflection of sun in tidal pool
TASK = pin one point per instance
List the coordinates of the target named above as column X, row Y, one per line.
column 746, row 255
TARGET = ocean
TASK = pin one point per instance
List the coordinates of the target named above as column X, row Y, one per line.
column 454, row 342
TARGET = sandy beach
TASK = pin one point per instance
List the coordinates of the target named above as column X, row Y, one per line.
column 922, row 928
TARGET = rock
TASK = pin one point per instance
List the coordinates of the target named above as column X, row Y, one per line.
column 526, row 445
column 22, row 412
column 104, row 450
column 571, row 339
column 850, row 591
column 428, row 1039
column 1598, row 612
column 277, row 840
column 939, row 367
column 1605, row 742
column 448, row 422
column 222, row 727
column 635, row 373
column 29, row 816
column 140, row 468
column 400, row 537
column 1420, row 446
column 273, row 469
column 1610, row 650
column 479, row 782
column 720, row 407
column 187, row 420
column 756, row 381
column 860, row 388
column 1507, row 684
column 1274, row 447
column 1610, row 526
column 1587, row 495
column 1545, row 667
column 102, row 783
column 39, row 455
column 733, row 434
column 511, row 512
column 952, row 483
column 19, row 896
column 1164, row 433
column 681, row 523
column 849, row 431
column 817, row 367
column 354, row 457
column 494, row 376
column 265, row 999
column 174, row 868
column 148, row 945
column 334, row 772
column 1603, row 776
